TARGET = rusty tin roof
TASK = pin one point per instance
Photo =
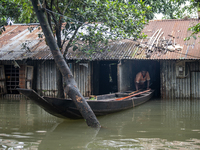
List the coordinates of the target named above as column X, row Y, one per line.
column 18, row 43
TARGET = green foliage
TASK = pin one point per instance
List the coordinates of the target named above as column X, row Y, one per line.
column 195, row 3
column 27, row 15
column 8, row 9
column 171, row 9
column 195, row 30
column 2, row 29
column 100, row 22
column 20, row 11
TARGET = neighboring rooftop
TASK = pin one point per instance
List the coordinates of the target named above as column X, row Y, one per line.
column 18, row 43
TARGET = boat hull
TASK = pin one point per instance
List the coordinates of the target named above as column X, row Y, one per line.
column 66, row 108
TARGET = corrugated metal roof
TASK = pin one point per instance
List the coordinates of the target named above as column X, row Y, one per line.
column 15, row 36
column 13, row 39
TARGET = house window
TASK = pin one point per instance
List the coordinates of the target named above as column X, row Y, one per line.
column 12, row 79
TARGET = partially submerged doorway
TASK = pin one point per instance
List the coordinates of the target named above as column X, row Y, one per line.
column 129, row 68
column 118, row 76
column 104, row 77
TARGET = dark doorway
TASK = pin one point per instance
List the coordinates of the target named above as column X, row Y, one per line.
column 107, row 77
column 107, row 74
column 153, row 67
column 12, row 79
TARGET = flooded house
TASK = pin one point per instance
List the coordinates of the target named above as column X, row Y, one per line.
column 172, row 62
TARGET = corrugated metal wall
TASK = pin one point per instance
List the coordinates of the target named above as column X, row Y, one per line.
column 195, row 88
column 175, row 87
column 46, row 78
column 82, row 75
column 195, row 79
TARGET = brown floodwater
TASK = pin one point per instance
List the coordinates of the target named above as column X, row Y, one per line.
column 157, row 124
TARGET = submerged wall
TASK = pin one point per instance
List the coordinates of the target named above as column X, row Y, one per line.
column 180, row 79
column 46, row 77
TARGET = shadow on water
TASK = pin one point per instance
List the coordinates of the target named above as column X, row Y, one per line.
column 157, row 124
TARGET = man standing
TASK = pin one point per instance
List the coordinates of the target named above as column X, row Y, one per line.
column 142, row 80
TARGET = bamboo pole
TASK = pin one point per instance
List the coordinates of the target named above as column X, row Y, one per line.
column 118, row 99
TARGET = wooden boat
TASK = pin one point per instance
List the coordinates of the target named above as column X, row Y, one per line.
column 104, row 104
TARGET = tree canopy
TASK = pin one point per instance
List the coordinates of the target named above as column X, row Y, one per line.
column 16, row 10
column 95, row 22
column 7, row 9
column 196, row 28
column 170, row 9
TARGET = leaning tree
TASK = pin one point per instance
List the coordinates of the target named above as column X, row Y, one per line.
column 102, row 20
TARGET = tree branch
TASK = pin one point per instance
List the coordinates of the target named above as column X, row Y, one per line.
column 67, row 6
column 53, row 16
column 70, row 41
column 57, row 8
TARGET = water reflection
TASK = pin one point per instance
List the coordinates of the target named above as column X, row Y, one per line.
column 158, row 124
column 69, row 135
column 20, row 121
column 162, row 124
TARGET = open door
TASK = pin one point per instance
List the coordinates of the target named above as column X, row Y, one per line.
column 2, row 80
column 108, row 77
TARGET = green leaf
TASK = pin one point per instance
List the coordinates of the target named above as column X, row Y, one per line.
column 75, row 48
column 67, row 26
column 194, row 37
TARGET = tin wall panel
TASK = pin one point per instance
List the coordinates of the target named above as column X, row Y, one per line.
column 81, row 72
column 195, row 86
column 180, row 87
column 46, row 78
column 195, row 79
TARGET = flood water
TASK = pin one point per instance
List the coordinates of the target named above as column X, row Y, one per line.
column 157, row 124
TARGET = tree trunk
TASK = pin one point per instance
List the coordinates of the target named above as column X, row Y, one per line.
column 59, row 84
column 71, row 86
column 58, row 73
